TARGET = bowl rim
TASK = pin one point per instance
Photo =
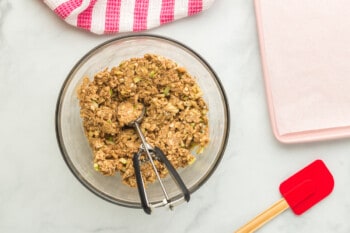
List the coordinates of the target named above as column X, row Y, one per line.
column 68, row 79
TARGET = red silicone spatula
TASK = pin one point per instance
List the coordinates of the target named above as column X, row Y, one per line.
column 300, row 192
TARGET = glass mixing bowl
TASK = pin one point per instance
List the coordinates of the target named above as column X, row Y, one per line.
column 74, row 145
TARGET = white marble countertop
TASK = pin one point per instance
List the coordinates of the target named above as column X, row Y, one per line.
column 38, row 193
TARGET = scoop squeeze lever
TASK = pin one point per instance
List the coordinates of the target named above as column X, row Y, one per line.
column 300, row 192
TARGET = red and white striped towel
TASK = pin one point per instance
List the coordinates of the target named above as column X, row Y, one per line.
column 112, row 16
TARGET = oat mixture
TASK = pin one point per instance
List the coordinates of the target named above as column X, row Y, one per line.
column 175, row 119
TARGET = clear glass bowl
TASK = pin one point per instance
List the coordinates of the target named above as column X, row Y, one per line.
column 74, row 145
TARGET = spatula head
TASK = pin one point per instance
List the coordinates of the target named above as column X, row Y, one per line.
column 307, row 187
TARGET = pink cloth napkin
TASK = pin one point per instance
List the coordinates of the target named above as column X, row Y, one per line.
column 113, row 16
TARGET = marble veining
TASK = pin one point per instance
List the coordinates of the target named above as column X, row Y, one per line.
column 38, row 193
column 5, row 8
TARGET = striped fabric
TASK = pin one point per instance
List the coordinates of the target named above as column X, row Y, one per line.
column 113, row 16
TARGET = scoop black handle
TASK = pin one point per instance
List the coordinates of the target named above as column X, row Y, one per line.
column 174, row 174
column 140, row 184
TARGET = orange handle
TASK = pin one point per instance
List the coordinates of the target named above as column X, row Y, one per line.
column 264, row 217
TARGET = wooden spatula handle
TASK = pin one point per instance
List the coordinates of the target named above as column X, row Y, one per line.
column 264, row 217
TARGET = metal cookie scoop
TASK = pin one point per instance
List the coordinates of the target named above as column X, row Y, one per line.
column 152, row 154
